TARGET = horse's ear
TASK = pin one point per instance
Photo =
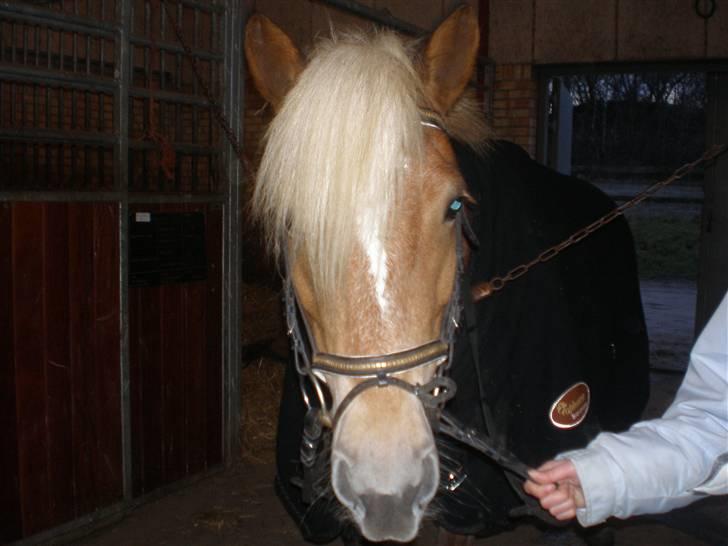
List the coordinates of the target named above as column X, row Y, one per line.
column 449, row 58
column 273, row 60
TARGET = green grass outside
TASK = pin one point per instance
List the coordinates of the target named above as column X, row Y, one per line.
column 667, row 246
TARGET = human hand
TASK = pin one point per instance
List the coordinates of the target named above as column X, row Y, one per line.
column 557, row 487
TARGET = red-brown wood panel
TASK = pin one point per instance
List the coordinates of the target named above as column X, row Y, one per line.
column 106, row 347
column 10, row 517
column 214, row 335
column 61, row 479
column 85, row 398
column 60, row 381
column 195, row 384
column 59, row 345
column 94, row 331
column 135, row 394
column 172, row 375
column 173, row 382
column 149, row 385
column 30, row 371
column 171, row 366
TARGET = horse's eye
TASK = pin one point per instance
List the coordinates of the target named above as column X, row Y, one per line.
column 454, row 208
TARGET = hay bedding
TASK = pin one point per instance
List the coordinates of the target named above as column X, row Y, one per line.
column 264, row 353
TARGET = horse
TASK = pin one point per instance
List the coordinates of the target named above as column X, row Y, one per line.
column 366, row 198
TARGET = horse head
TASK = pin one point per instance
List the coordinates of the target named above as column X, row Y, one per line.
column 358, row 190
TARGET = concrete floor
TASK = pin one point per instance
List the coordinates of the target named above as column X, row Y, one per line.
column 238, row 508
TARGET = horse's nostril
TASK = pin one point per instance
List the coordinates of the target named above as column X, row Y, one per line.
column 341, row 480
column 430, row 480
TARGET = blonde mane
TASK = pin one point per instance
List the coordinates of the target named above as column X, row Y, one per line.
column 336, row 153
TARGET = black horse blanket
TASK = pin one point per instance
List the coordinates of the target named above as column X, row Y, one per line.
column 575, row 319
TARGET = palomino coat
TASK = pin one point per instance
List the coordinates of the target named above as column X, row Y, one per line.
column 575, row 319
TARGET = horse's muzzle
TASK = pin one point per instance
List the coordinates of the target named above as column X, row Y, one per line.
column 394, row 513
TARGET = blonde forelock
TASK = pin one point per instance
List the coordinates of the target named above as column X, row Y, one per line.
column 335, row 153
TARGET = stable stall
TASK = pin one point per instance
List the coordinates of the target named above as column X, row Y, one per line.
column 119, row 259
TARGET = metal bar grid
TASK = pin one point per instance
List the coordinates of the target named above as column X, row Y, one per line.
column 213, row 6
column 176, row 145
column 232, row 258
column 55, row 166
column 175, row 48
column 56, row 18
column 35, row 45
column 121, row 151
column 37, row 75
column 188, row 127
column 10, row 196
column 50, row 136
column 56, row 130
column 60, row 126
column 190, row 149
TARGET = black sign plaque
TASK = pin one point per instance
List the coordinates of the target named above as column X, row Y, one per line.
column 166, row 248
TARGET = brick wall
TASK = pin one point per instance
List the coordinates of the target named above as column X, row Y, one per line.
column 514, row 105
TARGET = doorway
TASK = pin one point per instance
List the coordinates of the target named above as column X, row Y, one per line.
column 623, row 131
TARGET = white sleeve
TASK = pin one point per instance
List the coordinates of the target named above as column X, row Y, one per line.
column 657, row 465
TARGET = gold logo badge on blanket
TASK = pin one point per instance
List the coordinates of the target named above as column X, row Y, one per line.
column 571, row 406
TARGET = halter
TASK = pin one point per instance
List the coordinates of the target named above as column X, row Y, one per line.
column 381, row 370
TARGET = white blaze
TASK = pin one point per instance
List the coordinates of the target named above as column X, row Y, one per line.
column 374, row 248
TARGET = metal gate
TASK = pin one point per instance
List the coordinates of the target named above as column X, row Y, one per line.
column 119, row 257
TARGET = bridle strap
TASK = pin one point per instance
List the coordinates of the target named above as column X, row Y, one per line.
column 450, row 426
column 432, row 394
column 374, row 365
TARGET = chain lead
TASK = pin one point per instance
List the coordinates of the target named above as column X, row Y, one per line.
column 215, row 106
column 485, row 289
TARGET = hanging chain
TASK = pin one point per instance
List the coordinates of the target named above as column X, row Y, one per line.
column 214, row 104
column 485, row 289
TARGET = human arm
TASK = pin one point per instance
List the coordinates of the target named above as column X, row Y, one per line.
column 557, row 487
column 657, row 465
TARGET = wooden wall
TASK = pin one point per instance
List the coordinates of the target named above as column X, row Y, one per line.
column 60, row 406
column 62, row 331
column 59, row 348
column 175, row 334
